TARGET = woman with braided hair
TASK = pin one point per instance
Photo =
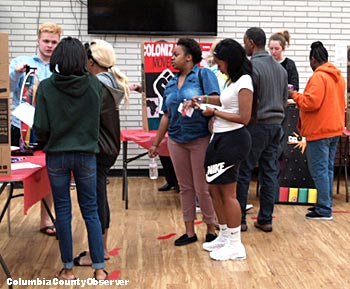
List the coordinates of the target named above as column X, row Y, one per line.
column 321, row 122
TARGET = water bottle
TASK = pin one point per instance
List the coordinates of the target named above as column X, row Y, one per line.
column 153, row 169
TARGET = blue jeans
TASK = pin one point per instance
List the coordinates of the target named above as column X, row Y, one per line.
column 320, row 157
column 83, row 165
column 264, row 152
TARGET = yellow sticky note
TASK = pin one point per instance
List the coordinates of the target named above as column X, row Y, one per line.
column 312, row 196
column 293, row 195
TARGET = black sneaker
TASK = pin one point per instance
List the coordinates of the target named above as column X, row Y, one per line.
column 316, row 216
column 311, row 209
column 184, row 240
column 210, row 237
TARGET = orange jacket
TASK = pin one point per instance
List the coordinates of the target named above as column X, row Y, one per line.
column 322, row 105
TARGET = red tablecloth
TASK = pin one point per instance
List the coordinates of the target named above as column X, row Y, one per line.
column 145, row 139
column 36, row 184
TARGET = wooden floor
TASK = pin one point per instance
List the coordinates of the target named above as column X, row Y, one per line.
column 298, row 254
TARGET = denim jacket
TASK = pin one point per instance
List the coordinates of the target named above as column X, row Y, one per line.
column 183, row 128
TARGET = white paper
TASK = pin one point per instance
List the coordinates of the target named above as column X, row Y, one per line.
column 188, row 112
column 203, row 106
column 14, row 148
column 25, row 113
column 26, row 165
column 340, row 53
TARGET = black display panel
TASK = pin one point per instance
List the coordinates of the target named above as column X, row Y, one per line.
column 153, row 17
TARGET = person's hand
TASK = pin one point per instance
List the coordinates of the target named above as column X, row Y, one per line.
column 153, row 151
column 21, row 67
column 208, row 111
column 187, row 104
column 194, row 102
column 198, row 100
column 290, row 93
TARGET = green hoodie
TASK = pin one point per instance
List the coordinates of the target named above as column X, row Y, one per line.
column 67, row 113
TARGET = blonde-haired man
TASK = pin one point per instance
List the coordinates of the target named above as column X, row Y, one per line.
column 49, row 34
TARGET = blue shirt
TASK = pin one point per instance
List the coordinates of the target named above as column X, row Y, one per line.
column 16, row 79
column 183, row 128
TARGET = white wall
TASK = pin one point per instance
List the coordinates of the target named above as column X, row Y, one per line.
column 307, row 21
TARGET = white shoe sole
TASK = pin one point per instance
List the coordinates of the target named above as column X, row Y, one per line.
column 234, row 258
column 235, row 255
column 211, row 249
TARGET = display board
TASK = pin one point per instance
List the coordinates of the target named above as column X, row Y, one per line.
column 157, row 71
column 348, row 88
column 296, row 184
column 5, row 119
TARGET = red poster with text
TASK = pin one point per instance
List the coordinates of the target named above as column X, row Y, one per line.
column 157, row 71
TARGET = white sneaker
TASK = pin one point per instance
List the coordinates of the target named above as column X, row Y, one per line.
column 249, row 207
column 218, row 243
column 229, row 252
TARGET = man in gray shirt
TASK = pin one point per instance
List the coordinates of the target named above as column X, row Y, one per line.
column 271, row 93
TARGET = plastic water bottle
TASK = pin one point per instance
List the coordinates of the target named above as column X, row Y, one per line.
column 153, row 169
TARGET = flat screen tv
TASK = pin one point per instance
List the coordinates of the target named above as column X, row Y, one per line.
column 153, row 17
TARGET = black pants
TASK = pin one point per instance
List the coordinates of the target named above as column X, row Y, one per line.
column 169, row 171
column 104, row 163
column 15, row 136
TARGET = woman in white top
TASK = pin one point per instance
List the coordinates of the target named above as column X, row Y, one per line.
column 229, row 145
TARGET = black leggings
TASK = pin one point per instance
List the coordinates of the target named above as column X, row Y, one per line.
column 104, row 163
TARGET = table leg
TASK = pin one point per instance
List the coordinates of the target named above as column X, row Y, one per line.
column 346, row 168
column 340, row 163
column 125, row 174
column 6, row 269
column 9, row 197
column 9, row 210
column 48, row 210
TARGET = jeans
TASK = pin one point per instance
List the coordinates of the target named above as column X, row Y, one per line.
column 83, row 165
column 188, row 160
column 264, row 152
column 320, row 156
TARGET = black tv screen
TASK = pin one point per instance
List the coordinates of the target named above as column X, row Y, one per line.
column 152, row 17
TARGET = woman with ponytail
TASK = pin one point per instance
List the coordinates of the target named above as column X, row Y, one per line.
column 115, row 88
column 277, row 46
column 228, row 146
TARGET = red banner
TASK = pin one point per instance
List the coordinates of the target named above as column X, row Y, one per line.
column 157, row 73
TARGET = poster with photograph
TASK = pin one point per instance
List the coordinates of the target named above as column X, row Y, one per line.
column 157, row 71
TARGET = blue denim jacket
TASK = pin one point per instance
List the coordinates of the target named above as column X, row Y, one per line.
column 182, row 128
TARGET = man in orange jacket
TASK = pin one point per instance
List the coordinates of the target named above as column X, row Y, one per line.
column 321, row 122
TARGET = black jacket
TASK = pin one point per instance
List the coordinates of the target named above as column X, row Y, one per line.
column 293, row 76
column 109, row 139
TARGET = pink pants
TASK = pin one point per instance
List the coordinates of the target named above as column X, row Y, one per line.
column 188, row 161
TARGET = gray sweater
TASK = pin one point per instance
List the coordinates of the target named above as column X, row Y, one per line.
column 272, row 88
